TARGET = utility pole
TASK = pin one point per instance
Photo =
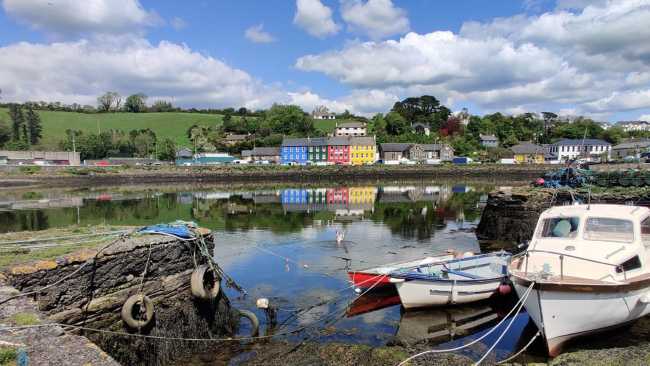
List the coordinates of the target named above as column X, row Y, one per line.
column 74, row 145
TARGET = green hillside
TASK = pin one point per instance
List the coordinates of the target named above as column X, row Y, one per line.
column 171, row 125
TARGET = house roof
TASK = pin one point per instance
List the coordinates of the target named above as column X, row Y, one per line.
column 419, row 124
column 580, row 142
column 362, row 140
column 317, row 141
column 295, row 142
column 527, row 147
column 435, row 147
column 351, row 124
column 234, row 137
column 265, row 151
column 488, row 137
column 246, row 153
column 632, row 144
column 394, row 146
column 184, row 152
column 338, row 140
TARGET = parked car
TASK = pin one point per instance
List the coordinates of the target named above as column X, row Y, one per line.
column 462, row 160
column 433, row 161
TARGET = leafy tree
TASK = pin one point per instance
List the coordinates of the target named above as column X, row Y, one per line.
column 451, row 127
column 161, row 106
column 109, row 101
column 396, row 124
column 136, row 103
column 33, row 125
column 16, row 145
column 17, row 121
column 288, row 120
column 5, row 133
column 613, row 134
column 167, row 150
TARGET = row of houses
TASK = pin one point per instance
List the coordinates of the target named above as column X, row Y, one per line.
column 563, row 150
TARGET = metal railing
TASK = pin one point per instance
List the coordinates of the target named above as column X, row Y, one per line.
column 561, row 258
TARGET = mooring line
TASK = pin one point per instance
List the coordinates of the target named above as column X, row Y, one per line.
column 539, row 332
column 518, row 306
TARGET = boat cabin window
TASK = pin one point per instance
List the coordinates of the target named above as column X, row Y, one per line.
column 607, row 229
column 560, row 227
column 645, row 231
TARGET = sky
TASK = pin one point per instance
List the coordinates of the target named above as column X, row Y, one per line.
column 571, row 57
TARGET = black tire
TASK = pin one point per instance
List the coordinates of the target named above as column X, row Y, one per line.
column 255, row 323
column 137, row 311
column 205, row 284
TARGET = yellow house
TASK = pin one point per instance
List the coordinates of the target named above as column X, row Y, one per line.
column 528, row 153
column 362, row 150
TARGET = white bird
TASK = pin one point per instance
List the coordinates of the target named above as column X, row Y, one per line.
column 339, row 237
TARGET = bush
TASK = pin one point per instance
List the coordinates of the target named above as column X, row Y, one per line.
column 29, row 169
column 7, row 355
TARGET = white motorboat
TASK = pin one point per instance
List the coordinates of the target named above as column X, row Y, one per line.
column 587, row 270
column 457, row 281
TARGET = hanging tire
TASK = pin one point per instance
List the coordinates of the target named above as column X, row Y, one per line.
column 205, row 284
column 137, row 311
column 255, row 324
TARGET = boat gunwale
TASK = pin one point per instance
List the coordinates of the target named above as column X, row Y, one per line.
column 589, row 286
column 415, row 276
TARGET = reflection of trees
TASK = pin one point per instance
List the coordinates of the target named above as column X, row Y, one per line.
column 407, row 219
column 25, row 220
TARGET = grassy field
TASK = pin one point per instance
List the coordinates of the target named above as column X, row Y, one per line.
column 166, row 125
column 171, row 125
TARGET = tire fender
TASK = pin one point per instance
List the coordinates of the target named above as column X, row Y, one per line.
column 205, row 284
column 146, row 309
column 255, row 324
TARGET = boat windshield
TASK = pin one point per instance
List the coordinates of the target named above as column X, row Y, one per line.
column 560, row 227
column 608, row 229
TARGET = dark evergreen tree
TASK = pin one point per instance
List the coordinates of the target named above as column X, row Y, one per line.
column 34, row 127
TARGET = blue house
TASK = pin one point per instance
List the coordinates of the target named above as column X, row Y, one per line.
column 294, row 151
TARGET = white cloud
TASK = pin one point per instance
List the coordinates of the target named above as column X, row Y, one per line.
column 80, row 71
column 178, row 23
column 257, row 34
column 361, row 102
column 592, row 59
column 645, row 117
column 374, row 18
column 315, row 18
column 73, row 17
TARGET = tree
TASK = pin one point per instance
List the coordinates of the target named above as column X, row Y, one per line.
column 136, row 103
column 17, row 121
column 396, row 124
column 451, row 127
column 167, row 150
column 109, row 101
column 5, row 133
column 33, row 125
column 289, row 119
column 161, row 106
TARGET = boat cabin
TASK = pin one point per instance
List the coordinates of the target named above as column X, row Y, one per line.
column 597, row 242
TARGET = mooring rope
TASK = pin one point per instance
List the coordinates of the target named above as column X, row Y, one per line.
column 539, row 332
column 518, row 306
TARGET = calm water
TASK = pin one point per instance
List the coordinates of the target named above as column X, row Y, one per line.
column 280, row 244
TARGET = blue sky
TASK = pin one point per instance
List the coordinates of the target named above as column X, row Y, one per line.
column 568, row 56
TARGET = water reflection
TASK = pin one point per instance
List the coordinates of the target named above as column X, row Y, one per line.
column 279, row 243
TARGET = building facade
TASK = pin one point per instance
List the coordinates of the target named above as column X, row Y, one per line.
column 41, row 157
column 321, row 112
column 528, row 153
column 568, row 149
column 630, row 148
column 443, row 152
column 270, row 154
column 362, row 150
column 294, row 151
column 631, row 126
column 353, row 128
column 338, row 150
column 317, row 149
column 489, row 140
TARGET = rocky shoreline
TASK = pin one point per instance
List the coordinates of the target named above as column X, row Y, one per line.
column 90, row 176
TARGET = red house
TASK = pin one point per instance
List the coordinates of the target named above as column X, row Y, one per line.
column 338, row 150
column 337, row 197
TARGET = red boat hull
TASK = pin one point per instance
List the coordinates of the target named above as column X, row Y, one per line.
column 365, row 280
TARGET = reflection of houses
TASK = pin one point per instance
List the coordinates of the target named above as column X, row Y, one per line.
column 344, row 202
column 42, row 204
column 396, row 194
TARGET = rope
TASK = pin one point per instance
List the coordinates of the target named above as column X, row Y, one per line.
column 82, row 266
column 145, row 336
column 504, row 331
column 110, row 233
column 521, row 301
column 521, row 350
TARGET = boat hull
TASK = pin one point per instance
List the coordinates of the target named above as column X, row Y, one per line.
column 566, row 315
column 365, row 280
column 377, row 278
column 422, row 293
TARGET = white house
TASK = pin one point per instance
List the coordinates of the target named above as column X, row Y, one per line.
column 352, row 128
column 567, row 149
column 321, row 112
column 634, row 125
column 489, row 140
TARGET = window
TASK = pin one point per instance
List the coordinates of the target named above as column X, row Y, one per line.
column 560, row 227
column 630, row 264
column 607, row 229
column 645, row 231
